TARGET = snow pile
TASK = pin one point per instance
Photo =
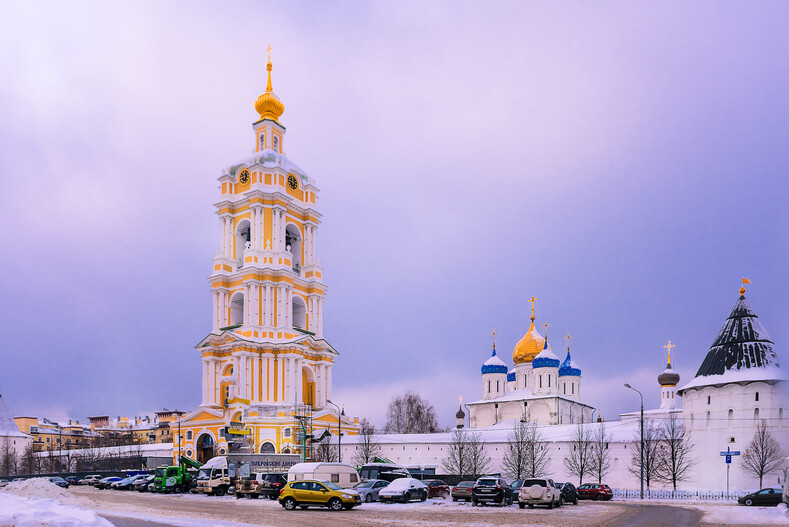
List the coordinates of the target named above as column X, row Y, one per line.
column 36, row 487
column 730, row 514
column 34, row 512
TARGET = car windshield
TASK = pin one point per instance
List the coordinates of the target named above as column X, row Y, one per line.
column 466, row 484
column 160, row 471
column 205, row 473
column 364, row 485
column 331, row 485
column 530, row 482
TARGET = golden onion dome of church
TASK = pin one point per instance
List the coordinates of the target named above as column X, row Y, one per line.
column 531, row 344
column 268, row 105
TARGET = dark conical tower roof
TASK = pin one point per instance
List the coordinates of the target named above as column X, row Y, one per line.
column 741, row 343
column 742, row 351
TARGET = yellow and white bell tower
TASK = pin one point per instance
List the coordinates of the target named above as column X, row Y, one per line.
column 265, row 361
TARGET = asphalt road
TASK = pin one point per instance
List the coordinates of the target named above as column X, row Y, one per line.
column 655, row 516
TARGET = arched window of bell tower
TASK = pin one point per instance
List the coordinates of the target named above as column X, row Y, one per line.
column 755, row 414
column 299, row 312
column 237, row 309
column 731, row 415
column 293, row 246
column 243, row 237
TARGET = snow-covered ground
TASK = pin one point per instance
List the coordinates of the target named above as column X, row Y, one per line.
column 39, row 502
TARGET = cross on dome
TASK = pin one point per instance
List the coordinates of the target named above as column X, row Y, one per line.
column 533, row 299
column 567, row 338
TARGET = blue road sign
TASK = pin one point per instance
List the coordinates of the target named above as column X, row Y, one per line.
column 729, row 452
column 728, row 459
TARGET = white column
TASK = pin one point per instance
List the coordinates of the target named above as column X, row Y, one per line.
column 261, row 229
column 228, row 237
column 221, row 236
column 268, row 380
column 315, row 244
column 299, row 381
column 328, row 381
column 205, row 383
column 286, row 380
column 288, row 308
column 274, row 229
column 211, row 381
column 319, row 319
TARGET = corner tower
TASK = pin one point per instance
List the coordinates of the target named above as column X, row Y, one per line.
column 265, row 361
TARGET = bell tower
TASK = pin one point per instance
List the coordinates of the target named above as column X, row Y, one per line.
column 266, row 365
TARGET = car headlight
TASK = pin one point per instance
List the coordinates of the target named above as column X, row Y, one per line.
column 347, row 496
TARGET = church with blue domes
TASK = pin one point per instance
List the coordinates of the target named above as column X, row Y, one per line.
column 540, row 387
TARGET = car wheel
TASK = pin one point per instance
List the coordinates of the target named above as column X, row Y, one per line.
column 220, row 491
column 335, row 504
column 424, row 496
column 289, row 504
column 368, row 498
column 749, row 502
column 473, row 503
column 550, row 505
column 177, row 489
column 575, row 501
column 561, row 501
column 521, row 505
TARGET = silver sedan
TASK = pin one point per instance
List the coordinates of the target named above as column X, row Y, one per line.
column 368, row 489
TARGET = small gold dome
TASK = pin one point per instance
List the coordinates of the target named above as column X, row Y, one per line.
column 529, row 346
column 268, row 105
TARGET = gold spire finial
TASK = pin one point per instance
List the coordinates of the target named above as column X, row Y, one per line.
column 546, row 325
column 268, row 105
column 567, row 338
column 668, row 347
column 493, row 334
column 742, row 289
column 533, row 299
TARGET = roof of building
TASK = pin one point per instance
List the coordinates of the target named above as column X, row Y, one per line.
column 8, row 427
column 668, row 377
column 546, row 358
column 460, row 413
column 494, row 364
column 569, row 368
column 528, row 346
column 742, row 352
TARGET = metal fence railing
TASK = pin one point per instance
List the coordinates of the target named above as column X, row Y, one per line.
column 705, row 495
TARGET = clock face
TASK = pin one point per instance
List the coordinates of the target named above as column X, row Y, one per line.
column 293, row 182
column 243, row 177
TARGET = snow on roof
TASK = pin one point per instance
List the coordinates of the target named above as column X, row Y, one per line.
column 8, row 427
column 772, row 373
column 524, row 394
column 271, row 159
column 620, row 431
column 149, row 450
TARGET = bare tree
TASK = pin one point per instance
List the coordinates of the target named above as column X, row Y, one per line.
column 525, row 454
column 763, row 454
column 456, row 462
column 652, row 443
column 7, row 459
column 600, row 460
column 368, row 448
column 478, row 461
column 579, row 459
column 410, row 414
column 674, row 456
column 324, row 451
column 31, row 463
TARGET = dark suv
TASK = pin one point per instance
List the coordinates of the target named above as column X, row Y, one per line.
column 569, row 493
column 493, row 490
column 271, row 485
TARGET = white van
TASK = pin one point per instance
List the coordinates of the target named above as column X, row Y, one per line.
column 340, row 474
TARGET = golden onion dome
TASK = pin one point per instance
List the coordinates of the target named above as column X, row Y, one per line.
column 268, row 105
column 529, row 346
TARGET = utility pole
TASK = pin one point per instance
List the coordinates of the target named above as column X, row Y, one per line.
column 642, row 437
column 339, row 431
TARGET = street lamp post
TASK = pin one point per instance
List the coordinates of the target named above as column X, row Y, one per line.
column 642, row 437
column 339, row 431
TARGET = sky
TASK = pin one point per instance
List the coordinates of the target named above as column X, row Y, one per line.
column 625, row 163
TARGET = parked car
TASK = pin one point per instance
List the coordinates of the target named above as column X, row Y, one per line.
column 128, row 483
column 491, row 490
column 272, row 485
column 516, row 487
column 72, row 480
column 462, row 491
column 104, row 483
column 141, row 485
column 403, row 489
column 569, row 493
column 90, row 480
column 595, row 491
column 539, row 491
column 437, row 488
column 308, row 493
column 368, row 489
column 60, row 482
column 3, row 483
column 762, row 497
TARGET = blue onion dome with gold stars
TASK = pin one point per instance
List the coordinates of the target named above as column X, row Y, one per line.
column 494, row 364
column 569, row 368
column 546, row 358
column 511, row 376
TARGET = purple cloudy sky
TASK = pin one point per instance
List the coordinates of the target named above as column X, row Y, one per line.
column 625, row 163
